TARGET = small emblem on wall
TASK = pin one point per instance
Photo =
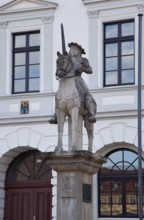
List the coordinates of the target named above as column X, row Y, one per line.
column 24, row 107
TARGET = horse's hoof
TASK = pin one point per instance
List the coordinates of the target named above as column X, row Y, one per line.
column 58, row 149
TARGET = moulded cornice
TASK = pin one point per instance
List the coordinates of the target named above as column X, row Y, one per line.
column 44, row 118
column 95, row 1
column 105, row 1
column 110, row 4
column 26, row 5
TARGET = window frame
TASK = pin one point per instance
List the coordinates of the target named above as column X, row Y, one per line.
column 124, row 179
column 27, row 49
column 119, row 40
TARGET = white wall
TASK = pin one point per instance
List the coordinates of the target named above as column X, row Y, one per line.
column 116, row 117
column 73, row 15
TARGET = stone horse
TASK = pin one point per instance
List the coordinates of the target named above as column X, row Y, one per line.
column 69, row 103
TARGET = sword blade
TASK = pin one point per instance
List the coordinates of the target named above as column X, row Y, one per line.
column 63, row 39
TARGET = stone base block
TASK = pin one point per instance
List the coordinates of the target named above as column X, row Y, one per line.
column 74, row 183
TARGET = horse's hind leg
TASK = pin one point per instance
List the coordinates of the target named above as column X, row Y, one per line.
column 90, row 129
column 60, row 118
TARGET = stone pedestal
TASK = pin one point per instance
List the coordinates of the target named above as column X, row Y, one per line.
column 74, row 183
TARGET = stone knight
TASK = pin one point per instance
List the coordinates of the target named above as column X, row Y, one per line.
column 81, row 64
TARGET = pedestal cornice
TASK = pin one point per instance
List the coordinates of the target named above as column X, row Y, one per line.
column 84, row 161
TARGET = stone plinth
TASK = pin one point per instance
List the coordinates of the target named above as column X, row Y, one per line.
column 74, row 183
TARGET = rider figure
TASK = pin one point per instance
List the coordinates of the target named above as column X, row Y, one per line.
column 81, row 64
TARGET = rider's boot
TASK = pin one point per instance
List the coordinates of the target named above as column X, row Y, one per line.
column 92, row 108
column 53, row 119
column 91, row 117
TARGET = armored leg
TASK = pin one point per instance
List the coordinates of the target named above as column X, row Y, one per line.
column 91, row 107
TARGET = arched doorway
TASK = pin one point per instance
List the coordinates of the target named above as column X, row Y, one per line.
column 28, row 188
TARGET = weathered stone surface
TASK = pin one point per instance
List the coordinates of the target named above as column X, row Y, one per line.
column 74, row 169
column 73, row 98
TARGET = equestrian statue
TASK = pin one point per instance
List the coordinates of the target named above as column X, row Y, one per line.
column 73, row 98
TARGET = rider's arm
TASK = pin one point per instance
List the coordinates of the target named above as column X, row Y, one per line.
column 86, row 66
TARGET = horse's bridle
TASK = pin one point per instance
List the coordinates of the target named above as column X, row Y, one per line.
column 65, row 71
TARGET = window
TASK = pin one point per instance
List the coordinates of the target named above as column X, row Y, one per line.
column 119, row 53
column 26, row 62
column 117, row 183
column 29, row 166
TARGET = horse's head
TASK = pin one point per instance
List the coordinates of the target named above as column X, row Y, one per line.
column 64, row 64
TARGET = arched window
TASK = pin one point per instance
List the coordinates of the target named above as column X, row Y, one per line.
column 27, row 167
column 118, row 185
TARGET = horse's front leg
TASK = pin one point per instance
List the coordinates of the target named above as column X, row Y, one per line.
column 60, row 119
column 74, row 127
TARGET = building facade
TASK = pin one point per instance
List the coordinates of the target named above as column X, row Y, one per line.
column 29, row 40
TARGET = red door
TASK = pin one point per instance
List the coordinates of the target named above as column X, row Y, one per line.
column 28, row 204
column 42, row 204
column 28, row 189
